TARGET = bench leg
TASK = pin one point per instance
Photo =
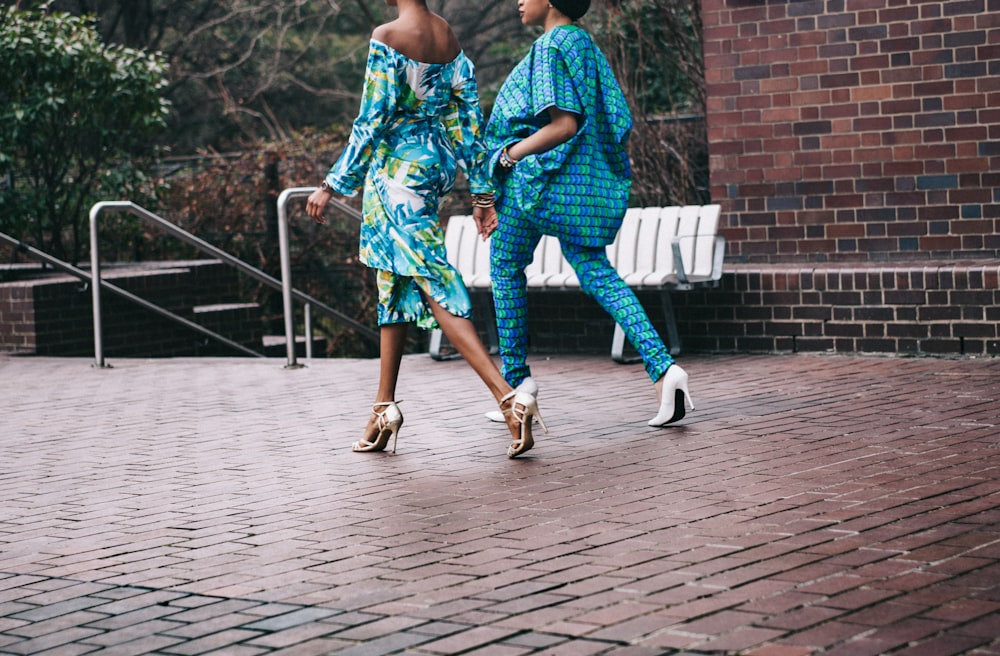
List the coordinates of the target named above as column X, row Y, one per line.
column 437, row 335
column 493, row 345
column 673, row 336
column 618, row 348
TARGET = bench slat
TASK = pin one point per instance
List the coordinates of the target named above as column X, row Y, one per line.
column 670, row 218
column 704, row 249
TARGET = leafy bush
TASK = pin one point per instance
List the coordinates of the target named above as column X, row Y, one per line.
column 79, row 119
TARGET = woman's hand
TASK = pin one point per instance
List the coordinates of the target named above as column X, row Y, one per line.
column 486, row 220
column 317, row 203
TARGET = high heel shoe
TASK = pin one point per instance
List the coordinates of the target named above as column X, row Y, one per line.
column 672, row 397
column 387, row 422
column 522, row 408
column 527, row 385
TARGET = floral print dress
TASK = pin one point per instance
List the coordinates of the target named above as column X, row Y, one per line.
column 419, row 123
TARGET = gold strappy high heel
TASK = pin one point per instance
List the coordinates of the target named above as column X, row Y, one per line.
column 522, row 408
column 387, row 422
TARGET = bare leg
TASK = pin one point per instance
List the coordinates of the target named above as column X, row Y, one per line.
column 517, row 411
column 392, row 341
column 463, row 336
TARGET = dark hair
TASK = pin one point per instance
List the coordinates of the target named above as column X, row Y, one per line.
column 574, row 9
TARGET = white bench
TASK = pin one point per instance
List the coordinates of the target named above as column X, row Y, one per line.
column 658, row 248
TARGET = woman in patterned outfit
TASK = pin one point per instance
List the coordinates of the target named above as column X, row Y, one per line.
column 419, row 122
column 558, row 134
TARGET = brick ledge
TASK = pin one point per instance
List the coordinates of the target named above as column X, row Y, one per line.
column 868, row 267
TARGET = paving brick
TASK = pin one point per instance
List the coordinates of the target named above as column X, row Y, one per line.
column 811, row 503
column 132, row 632
column 50, row 641
column 213, row 641
column 150, row 644
column 906, row 631
column 541, row 619
column 738, row 641
column 534, row 640
column 942, row 646
column 294, row 635
column 464, row 640
column 318, row 647
column 826, row 634
column 778, row 650
column 782, row 602
column 57, row 623
column 500, row 650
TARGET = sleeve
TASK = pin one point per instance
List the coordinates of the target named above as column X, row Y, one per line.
column 511, row 119
column 377, row 103
column 463, row 123
column 612, row 105
column 555, row 73
column 559, row 78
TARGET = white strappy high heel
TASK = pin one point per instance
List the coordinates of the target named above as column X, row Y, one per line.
column 523, row 407
column 527, row 385
column 387, row 422
column 672, row 398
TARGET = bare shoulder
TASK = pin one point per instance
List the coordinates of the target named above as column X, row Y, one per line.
column 431, row 40
column 446, row 37
column 386, row 32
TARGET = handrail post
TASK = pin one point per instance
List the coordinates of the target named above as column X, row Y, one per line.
column 95, row 288
column 307, row 310
column 95, row 277
column 286, row 268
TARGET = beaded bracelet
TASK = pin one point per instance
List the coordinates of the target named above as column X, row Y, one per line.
column 482, row 200
column 505, row 160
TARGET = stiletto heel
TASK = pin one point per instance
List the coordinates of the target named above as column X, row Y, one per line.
column 387, row 423
column 522, row 408
column 672, row 397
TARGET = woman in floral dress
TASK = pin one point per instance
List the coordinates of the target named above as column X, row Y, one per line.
column 558, row 134
column 418, row 124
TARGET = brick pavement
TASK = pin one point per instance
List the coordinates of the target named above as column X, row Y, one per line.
column 812, row 504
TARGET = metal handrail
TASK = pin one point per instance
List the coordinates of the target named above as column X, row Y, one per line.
column 86, row 277
column 286, row 263
column 204, row 247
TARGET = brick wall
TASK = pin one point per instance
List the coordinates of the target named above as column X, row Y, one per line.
column 932, row 309
column 17, row 318
column 855, row 130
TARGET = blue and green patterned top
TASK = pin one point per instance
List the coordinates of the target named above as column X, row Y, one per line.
column 418, row 124
column 578, row 191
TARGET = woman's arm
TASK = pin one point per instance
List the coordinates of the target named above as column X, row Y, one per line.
column 463, row 122
column 377, row 100
column 561, row 128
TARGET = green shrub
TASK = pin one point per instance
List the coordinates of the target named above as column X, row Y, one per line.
column 79, row 120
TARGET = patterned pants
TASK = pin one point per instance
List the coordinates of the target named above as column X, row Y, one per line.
column 512, row 249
